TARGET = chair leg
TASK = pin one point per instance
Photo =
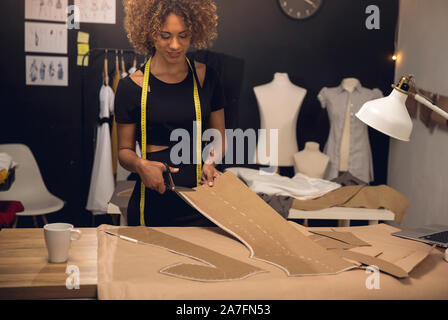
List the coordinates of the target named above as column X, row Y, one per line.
column 16, row 220
column 343, row 223
column 44, row 219
column 36, row 225
column 114, row 219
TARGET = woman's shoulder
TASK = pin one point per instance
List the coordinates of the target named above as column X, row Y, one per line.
column 201, row 69
column 127, row 91
column 129, row 84
column 206, row 73
column 205, row 68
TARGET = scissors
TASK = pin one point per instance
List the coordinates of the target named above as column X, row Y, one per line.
column 169, row 183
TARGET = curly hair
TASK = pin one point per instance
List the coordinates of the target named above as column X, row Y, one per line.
column 144, row 20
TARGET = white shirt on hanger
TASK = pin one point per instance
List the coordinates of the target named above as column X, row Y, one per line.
column 102, row 183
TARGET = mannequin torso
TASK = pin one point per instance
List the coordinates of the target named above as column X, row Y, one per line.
column 340, row 105
column 349, row 84
column 310, row 161
column 279, row 103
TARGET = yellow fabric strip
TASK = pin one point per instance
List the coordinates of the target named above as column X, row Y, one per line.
column 3, row 175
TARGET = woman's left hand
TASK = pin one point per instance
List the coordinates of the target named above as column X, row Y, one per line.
column 209, row 174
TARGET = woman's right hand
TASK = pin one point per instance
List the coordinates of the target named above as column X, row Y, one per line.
column 151, row 174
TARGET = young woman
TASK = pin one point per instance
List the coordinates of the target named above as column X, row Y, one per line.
column 165, row 30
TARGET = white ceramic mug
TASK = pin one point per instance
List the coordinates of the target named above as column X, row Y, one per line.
column 58, row 237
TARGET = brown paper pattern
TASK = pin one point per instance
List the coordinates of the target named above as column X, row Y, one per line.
column 238, row 210
column 216, row 267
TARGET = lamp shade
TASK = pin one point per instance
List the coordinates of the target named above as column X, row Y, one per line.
column 388, row 115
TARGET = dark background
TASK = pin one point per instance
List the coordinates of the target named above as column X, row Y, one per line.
column 59, row 128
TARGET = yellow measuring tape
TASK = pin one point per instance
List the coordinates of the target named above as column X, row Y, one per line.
column 197, row 106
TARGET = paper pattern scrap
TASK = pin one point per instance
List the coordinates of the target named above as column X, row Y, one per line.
column 215, row 267
column 346, row 237
column 329, row 243
column 383, row 265
column 231, row 205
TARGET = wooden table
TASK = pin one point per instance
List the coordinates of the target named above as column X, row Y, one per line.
column 25, row 272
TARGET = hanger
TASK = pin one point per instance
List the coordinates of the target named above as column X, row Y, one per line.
column 134, row 64
column 106, row 73
column 123, row 67
column 117, row 63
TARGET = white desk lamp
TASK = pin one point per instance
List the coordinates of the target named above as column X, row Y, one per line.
column 389, row 114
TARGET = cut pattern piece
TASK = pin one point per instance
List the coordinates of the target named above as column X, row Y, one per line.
column 346, row 237
column 218, row 267
column 383, row 265
column 231, row 205
column 329, row 243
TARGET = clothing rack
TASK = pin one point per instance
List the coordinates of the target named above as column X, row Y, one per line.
column 105, row 52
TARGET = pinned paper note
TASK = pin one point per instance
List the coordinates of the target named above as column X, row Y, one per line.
column 82, row 61
column 83, row 49
column 83, row 37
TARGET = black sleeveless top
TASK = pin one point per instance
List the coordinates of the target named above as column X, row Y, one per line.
column 169, row 106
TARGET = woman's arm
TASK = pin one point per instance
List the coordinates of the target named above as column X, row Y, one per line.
column 126, row 146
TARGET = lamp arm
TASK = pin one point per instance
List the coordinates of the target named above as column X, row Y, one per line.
column 428, row 104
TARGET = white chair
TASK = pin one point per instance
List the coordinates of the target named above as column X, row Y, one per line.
column 29, row 187
column 118, row 204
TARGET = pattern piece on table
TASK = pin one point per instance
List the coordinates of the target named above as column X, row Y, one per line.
column 218, row 267
column 371, row 197
column 383, row 265
column 396, row 260
column 346, row 237
column 329, row 243
column 329, row 240
column 231, row 205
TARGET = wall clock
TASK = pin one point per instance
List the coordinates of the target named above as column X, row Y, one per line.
column 300, row 9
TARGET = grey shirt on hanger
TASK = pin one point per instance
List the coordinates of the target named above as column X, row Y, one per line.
column 336, row 101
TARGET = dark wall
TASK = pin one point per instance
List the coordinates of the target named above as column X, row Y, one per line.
column 317, row 52
column 321, row 51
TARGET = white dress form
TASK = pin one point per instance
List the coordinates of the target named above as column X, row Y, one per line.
column 310, row 161
column 279, row 102
column 349, row 84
